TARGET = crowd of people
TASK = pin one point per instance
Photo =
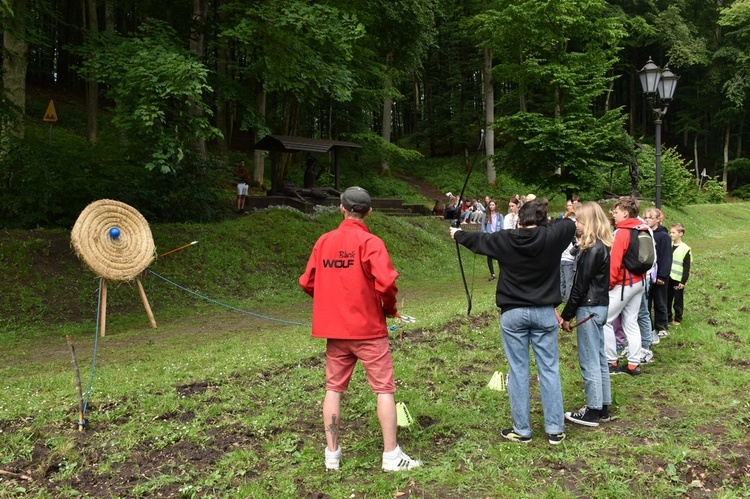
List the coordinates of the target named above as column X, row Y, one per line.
column 621, row 278
column 605, row 289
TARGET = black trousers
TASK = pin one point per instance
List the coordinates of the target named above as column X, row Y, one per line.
column 675, row 298
column 658, row 303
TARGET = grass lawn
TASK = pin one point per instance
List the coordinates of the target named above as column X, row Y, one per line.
column 216, row 403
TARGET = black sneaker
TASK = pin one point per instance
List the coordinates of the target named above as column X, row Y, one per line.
column 604, row 416
column 614, row 369
column 632, row 372
column 555, row 439
column 511, row 435
column 585, row 416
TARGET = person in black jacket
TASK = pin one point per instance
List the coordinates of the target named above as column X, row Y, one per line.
column 658, row 297
column 528, row 290
column 589, row 299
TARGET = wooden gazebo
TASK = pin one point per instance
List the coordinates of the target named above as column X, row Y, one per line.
column 286, row 143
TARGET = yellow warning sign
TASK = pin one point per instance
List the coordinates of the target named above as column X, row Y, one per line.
column 50, row 115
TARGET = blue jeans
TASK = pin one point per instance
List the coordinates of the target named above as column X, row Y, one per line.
column 592, row 358
column 536, row 327
column 566, row 279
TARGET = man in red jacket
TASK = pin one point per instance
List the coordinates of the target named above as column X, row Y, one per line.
column 353, row 284
column 625, row 290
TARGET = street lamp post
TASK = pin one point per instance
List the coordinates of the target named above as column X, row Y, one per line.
column 661, row 83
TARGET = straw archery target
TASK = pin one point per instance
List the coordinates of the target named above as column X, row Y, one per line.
column 109, row 254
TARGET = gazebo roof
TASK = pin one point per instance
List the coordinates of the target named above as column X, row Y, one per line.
column 287, row 143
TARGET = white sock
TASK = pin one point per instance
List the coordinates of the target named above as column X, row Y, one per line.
column 392, row 454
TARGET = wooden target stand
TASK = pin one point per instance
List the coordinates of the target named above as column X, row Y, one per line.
column 114, row 240
column 103, row 306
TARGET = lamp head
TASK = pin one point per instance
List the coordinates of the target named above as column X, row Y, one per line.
column 650, row 75
column 667, row 85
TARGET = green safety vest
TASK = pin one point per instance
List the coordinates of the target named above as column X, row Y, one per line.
column 678, row 257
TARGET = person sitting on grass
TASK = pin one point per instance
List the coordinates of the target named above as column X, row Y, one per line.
column 353, row 284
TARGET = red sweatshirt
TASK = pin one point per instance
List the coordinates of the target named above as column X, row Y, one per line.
column 353, row 284
column 617, row 272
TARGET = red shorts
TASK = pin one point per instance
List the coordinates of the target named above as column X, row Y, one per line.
column 342, row 356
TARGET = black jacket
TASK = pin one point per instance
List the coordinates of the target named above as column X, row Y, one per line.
column 591, row 281
column 663, row 253
column 529, row 262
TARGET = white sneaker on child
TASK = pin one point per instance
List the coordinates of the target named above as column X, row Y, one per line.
column 396, row 460
column 333, row 459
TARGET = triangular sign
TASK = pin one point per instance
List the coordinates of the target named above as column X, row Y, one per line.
column 50, row 115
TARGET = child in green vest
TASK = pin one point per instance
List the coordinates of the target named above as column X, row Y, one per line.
column 678, row 275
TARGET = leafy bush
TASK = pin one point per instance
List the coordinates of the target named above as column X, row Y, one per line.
column 678, row 186
column 743, row 192
column 713, row 191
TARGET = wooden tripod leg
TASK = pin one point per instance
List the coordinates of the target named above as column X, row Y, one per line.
column 145, row 303
column 103, row 309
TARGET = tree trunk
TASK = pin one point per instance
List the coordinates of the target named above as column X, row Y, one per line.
column 224, row 118
column 91, row 24
column 289, row 127
column 258, row 155
column 15, row 61
column 521, row 92
column 724, row 175
column 197, row 37
column 489, row 114
column 109, row 16
column 695, row 160
column 387, row 110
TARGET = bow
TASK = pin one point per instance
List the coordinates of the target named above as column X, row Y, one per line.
column 456, row 222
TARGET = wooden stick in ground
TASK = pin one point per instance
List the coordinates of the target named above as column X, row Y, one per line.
column 145, row 303
column 78, row 383
column 15, row 475
column 103, row 309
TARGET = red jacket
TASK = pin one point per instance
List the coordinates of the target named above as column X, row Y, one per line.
column 353, row 284
column 617, row 272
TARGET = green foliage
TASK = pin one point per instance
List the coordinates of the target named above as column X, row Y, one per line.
column 742, row 192
column 571, row 153
column 38, row 178
column 713, row 191
column 294, row 46
column 449, row 174
column 374, row 148
column 559, row 56
column 158, row 88
column 678, row 186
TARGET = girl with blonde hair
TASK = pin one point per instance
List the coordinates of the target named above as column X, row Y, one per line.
column 588, row 302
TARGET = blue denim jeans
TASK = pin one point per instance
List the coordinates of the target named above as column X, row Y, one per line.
column 592, row 358
column 534, row 327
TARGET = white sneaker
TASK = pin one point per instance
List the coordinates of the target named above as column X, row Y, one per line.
column 655, row 338
column 396, row 460
column 648, row 356
column 664, row 333
column 333, row 459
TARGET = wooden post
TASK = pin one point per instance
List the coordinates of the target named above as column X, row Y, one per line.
column 81, row 422
column 103, row 309
column 145, row 303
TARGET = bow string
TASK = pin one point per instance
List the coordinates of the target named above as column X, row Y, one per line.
column 456, row 222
